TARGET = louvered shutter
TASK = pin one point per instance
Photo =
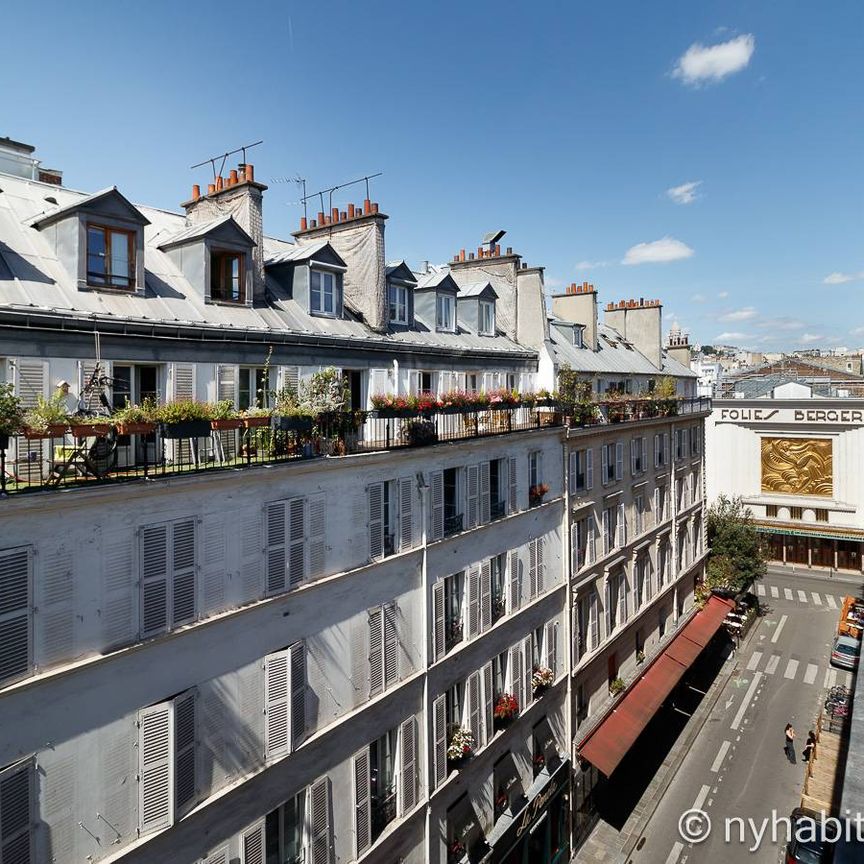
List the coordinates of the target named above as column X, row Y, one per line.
column 276, row 702
column 474, row 721
column 488, row 704
column 226, row 384
column 575, row 557
column 643, row 452
column 485, row 595
column 213, row 545
column 317, row 534
column 16, row 814
column 513, row 498
column 220, row 856
column 607, row 530
column 182, row 377
column 514, row 581
column 362, row 804
column 436, row 509
column 532, row 570
column 288, row 378
column 296, row 541
column 514, row 665
column 634, row 456
column 541, row 566
column 657, row 514
column 665, row 448
column 604, row 464
column 185, row 732
column 184, row 566
column 375, row 499
column 276, row 561
column 15, row 607
column 594, row 619
column 155, row 767
column 589, row 468
column 657, row 450
column 154, row 542
column 550, row 638
column 119, row 609
column 297, row 658
column 571, row 478
column 31, row 380
column 376, row 651
column 485, row 494
column 622, row 526
column 619, row 460
column 252, row 844
column 406, row 517
column 590, row 549
column 576, row 634
column 473, row 584
column 408, row 765
column 439, row 736
column 391, row 645
column 622, row 597
column 607, row 603
column 472, row 495
column 438, row 641
column 320, row 821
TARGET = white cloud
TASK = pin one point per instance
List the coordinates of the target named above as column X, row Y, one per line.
column 722, row 295
column 591, row 265
column 657, row 252
column 685, row 193
column 702, row 64
column 745, row 314
column 842, row 278
column 857, row 331
column 807, row 338
column 730, row 337
column 781, row 323
column 698, row 298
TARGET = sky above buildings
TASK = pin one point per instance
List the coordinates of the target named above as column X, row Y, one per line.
column 708, row 153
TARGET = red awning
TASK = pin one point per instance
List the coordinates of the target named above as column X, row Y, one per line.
column 608, row 743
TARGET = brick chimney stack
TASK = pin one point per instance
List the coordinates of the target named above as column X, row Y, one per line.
column 578, row 305
column 639, row 322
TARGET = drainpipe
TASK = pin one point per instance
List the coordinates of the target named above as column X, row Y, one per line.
column 425, row 656
column 396, row 379
column 568, row 631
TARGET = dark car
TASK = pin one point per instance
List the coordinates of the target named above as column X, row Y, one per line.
column 812, row 848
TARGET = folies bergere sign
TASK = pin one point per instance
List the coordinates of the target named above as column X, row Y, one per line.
column 810, row 416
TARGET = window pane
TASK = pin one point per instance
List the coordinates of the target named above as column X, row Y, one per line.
column 327, row 288
column 315, row 291
column 234, row 263
column 120, row 263
column 96, row 255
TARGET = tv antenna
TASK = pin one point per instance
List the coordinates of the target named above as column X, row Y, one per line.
column 300, row 181
column 320, row 194
column 212, row 160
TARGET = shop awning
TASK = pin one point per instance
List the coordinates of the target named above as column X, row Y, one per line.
column 608, row 742
column 818, row 533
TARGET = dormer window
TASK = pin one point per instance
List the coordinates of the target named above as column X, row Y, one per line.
column 398, row 297
column 227, row 277
column 110, row 257
column 577, row 337
column 322, row 292
column 487, row 318
column 444, row 308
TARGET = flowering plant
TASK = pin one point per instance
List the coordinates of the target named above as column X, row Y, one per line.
column 539, row 760
column 461, row 744
column 427, row 402
column 539, row 490
column 388, row 400
column 503, row 396
column 456, row 849
column 541, row 678
column 506, row 707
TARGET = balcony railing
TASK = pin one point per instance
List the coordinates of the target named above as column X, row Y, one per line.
column 383, row 812
column 629, row 410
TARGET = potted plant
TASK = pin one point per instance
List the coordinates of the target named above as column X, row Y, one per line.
column 224, row 416
column 536, row 493
column 388, row 405
column 294, row 418
column 640, row 656
column 184, row 419
column 84, row 426
column 461, row 746
column 503, row 398
column 542, row 677
column 616, row 686
column 135, row 419
column 418, row 433
column 11, row 414
column 506, row 710
column 255, row 417
column 455, row 851
column 47, row 419
column 545, row 399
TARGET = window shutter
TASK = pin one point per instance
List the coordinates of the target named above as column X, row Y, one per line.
column 607, row 541
column 438, row 623
column 472, row 495
column 472, row 582
column 643, row 452
column 550, row 637
column 436, row 510
column 485, row 595
column 657, row 451
column 15, row 607
column 155, row 767
column 619, row 460
column 514, row 581
column 408, row 765
column 488, row 704
column 375, row 497
column 485, row 499
column 220, row 856
column 513, row 499
column 288, row 378
column 590, row 542
column 527, row 670
column 226, row 384
column 154, row 579
column 595, row 620
column 634, row 444
column 575, row 564
column 406, row 519
column 276, row 557
column 439, row 735
column 533, row 581
column 297, row 655
column 276, row 696
column 607, row 590
column 391, row 645
column 296, row 541
column 474, row 721
column 182, row 378
column 16, row 814
column 213, row 546
column 252, row 844
column 119, row 607
column 573, row 461
column 665, row 448
column 320, row 821
column 589, row 468
column 317, row 534
column 656, row 507
column 622, row 526
column 577, row 646
column 622, row 598
column 604, row 463
column 541, row 566
column 185, row 733
column 362, row 805
column 376, row 651
column 184, row 566
column 514, row 666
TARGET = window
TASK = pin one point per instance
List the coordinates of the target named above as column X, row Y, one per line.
column 444, row 312
column 322, row 292
column 110, row 257
column 17, row 813
column 487, row 318
column 498, row 481
column 455, row 705
column 662, row 563
column 285, row 831
column 577, row 337
column 821, row 514
column 582, row 704
column 610, row 522
column 284, row 700
column 582, row 626
column 498, row 576
column 695, row 486
column 382, row 781
column 612, row 462
column 582, row 539
column 612, row 599
column 452, row 515
column 681, row 436
column 383, row 648
column 695, row 440
column 661, row 450
column 661, row 508
column 253, row 389
column 637, row 456
column 581, row 471
column 390, row 517
column 228, row 277
column 639, row 515
column 453, row 588
column 15, row 614
column 536, row 488
column 398, row 304
column 771, row 510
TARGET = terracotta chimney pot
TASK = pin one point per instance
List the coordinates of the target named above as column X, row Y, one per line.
column 303, row 223
column 367, row 206
column 250, row 173
column 211, row 188
column 374, row 206
column 320, row 217
column 219, row 183
column 350, row 211
column 334, row 215
column 196, row 192
column 232, row 177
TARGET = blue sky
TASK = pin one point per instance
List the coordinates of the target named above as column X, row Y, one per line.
column 565, row 123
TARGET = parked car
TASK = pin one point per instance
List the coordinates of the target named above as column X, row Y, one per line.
column 812, row 848
column 845, row 652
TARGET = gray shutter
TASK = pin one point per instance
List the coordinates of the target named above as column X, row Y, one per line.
column 185, row 732
column 220, row 856
column 436, row 509
column 276, row 557
column 514, row 581
column 155, row 767
column 226, row 384
column 375, row 499
column 488, row 704
column 607, row 590
column 408, row 765
column 622, row 526
column 319, row 818
column 16, row 814
column 527, row 668
column 485, row 492
column 391, row 645
column 513, row 497
column 154, row 579
column 589, row 468
column 472, row 495
column 550, row 638
column 619, row 460
column 665, row 448
column 15, row 607
column 296, row 541
column 297, row 656
column 643, row 452
column 590, row 542
column 438, row 640
column 514, row 663
column 473, row 584
column 183, row 571
column 485, row 595
column 317, row 534
column 604, row 464
column 533, row 581
column 439, row 736
column 362, row 804
column 376, row 651
column 118, row 602
column 576, row 646
column 594, row 619
column 571, row 472
column 406, row 520
column 657, row 450
column 634, row 446
column 31, row 381
column 541, row 566
column 622, row 597
column 182, row 381
column 288, row 378
column 250, row 586
column 252, row 843
column 474, row 703
column 213, row 545
column 276, row 702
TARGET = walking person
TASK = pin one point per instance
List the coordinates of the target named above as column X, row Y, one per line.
column 789, row 735
column 809, row 746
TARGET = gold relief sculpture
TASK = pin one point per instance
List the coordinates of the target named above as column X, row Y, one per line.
column 797, row 466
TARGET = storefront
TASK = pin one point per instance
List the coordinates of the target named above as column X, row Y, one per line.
column 814, row 548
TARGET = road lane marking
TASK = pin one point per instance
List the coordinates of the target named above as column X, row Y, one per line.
column 779, row 629
column 775, row 593
column 754, row 661
column 675, row 854
column 791, row 669
column 816, row 598
column 802, row 596
column 787, row 593
column 810, row 674
column 700, row 798
column 721, row 755
column 832, row 677
column 773, row 663
column 760, row 590
column 832, row 603
column 736, row 722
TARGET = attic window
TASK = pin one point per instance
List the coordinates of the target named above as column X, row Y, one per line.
column 444, row 312
column 487, row 318
column 322, row 292
column 398, row 297
column 577, row 337
column 110, row 257
column 227, row 277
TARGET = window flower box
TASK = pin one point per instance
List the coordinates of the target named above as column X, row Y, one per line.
column 256, row 422
column 461, row 746
column 187, row 429
column 616, row 687
column 505, row 711
column 52, row 430
column 542, row 679
column 89, row 430
column 139, row 427
column 223, row 423
column 294, row 423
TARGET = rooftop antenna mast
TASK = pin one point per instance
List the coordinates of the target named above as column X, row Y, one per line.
column 320, row 194
column 212, row 160
column 301, row 182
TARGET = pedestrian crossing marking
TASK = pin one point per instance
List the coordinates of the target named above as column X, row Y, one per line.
column 816, row 598
column 832, row 604
column 832, row 678
column 773, row 663
column 802, row 596
column 791, row 669
column 779, row 630
column 754, row 661
column 775, row 592
column 787, row 593
column 810, row 674
column 760, row 590
column 799, row 595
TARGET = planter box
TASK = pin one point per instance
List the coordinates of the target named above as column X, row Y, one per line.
column 4, row 441
column 55, row 430
column 255, row 422
column 142, row 427
column 227, row 423
column 385, row 413
column 293, row 424
column 87, row 430
column 187, row 429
